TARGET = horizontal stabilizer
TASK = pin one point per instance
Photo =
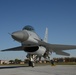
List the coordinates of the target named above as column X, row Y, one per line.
column 62, row 53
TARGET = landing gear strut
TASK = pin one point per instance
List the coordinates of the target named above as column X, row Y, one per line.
column 31, row 60
column 31, row 63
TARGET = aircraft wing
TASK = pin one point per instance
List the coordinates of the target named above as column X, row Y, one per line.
column 20, row 48
column 57, row 48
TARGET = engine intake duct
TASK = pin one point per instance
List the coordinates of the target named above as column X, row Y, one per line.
column 31, row 49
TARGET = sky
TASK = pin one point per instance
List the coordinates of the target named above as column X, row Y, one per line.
column 59, row 16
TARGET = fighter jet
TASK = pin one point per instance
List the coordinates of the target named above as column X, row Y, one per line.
column 33, row 44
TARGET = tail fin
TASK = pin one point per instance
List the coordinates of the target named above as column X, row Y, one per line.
column 46, row 35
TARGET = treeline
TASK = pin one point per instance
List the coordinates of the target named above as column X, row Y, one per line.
column 57, row 60
column 66, row 59
column 16, row 61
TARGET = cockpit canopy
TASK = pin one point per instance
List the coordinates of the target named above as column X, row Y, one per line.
column 29, row 28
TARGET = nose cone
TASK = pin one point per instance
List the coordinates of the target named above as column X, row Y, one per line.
column 20, row 36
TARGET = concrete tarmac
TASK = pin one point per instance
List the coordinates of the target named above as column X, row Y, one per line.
column 38, row 70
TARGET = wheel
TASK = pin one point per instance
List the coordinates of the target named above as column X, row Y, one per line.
column 29, row 63
column 33, row 64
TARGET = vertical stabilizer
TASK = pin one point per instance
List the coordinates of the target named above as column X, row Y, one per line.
column 46, row 35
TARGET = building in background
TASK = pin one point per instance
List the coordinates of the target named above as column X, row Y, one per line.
column 4, row 62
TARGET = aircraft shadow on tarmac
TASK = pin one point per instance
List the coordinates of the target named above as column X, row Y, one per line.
column 10, row 67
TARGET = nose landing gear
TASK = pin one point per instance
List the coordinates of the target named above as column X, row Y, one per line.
column 31, row 61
